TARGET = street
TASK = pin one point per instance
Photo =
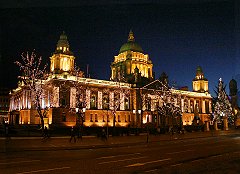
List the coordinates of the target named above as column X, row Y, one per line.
column 220, row 154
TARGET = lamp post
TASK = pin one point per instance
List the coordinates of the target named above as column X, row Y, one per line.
column 80, row 113
column 134, row 112
column 139, row 112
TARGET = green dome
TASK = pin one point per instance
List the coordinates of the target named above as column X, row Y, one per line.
column 131, row 45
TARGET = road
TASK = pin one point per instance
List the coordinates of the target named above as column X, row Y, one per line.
column 203, row 155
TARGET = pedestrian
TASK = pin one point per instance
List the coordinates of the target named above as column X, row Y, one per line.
column 104, row 137
column 72, row 135
column 79, row 133
column 7, row 133
column 45, row 133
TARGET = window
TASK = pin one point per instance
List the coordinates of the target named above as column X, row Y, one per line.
column 149, row 104
column 96, row 118
column 116, row 100
column 103, row 119
column 91, row 117
column 129, row 118
column 105, row 102
column 207, row 107
column 125, row 118
column 64, row 118
column 119, row 118
column 191, row 106
column 63, row 102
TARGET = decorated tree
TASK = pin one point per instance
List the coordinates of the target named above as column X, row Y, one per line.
column 33, row 76
column 161, row 99
column 222, row 107
column 113, row 100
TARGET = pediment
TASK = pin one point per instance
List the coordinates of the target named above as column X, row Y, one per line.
column 156, row 85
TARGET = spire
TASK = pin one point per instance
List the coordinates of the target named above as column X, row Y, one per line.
column 131, row 37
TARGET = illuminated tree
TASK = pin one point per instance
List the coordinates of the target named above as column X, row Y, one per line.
column 222, row 108
column 34, row 74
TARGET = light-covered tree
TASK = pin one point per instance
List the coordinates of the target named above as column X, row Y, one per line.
column 222, row 107
column 33, row 76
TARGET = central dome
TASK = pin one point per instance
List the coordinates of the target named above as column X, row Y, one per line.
column 131, row 45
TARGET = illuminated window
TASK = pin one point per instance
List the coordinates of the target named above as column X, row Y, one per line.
column 126, row 104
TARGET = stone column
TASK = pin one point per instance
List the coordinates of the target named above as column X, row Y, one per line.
column 203, row 106
column 225, row 123
column 189, row 105
column 215, row 125
column 206, row 126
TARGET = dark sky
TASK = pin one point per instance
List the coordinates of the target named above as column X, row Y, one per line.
column 177, row 35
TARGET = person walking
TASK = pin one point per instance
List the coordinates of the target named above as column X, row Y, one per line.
column 72, row 135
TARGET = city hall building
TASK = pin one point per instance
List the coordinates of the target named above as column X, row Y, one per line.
column 131, row 98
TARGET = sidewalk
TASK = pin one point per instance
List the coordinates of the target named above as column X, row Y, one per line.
column 62, row 143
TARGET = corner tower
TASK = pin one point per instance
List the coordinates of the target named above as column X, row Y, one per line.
column 200, row 83
column 62, row 59
column 131, row 56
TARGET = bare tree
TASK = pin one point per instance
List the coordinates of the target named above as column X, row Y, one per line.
column 33, row 76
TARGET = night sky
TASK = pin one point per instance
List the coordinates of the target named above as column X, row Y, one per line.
column 177, row 35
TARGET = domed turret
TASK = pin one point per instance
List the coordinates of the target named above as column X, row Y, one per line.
column 63, row 45
column 62, row 59
column 131, row 45
column 200, row 83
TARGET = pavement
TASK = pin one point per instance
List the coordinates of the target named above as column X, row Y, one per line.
column 18, row 144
